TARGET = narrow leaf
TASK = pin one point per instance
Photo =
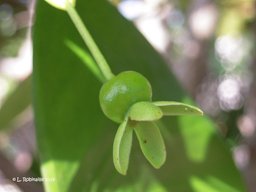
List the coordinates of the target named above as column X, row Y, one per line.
column 151, row 143
column 85, row 58
column 122, row 147
column 15, row 103
column 145, row 111
column 177, row 108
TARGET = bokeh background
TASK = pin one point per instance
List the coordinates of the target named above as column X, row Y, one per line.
column 209, row 45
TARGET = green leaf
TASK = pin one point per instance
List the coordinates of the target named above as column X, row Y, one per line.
column 210, row 184
column 144, row 111
column 15, row 103
column 177, row 108
column 86, row 59
column 122, row 147
column 75, row 138
column 151, row 143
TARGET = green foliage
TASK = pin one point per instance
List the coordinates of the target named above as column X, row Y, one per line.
column 122, row 147
column 9, row 46
column 15, row 103
column 177, row 108
column 151, row 143
column 75, row 138
column 86, row 59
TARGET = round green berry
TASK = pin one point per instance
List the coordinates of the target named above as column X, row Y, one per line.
column 119, row 93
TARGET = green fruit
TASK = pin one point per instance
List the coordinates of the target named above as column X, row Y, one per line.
column 121, row 92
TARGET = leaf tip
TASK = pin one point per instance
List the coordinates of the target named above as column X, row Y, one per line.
column 159, row 164
column 199, row 111
column 123, row 172
column 119, row 168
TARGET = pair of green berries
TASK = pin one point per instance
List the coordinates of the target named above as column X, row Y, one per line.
column 127, row 99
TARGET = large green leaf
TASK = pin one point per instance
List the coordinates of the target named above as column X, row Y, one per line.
column 75, row 139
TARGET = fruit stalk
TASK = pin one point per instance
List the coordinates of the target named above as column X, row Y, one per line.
column 92, row 46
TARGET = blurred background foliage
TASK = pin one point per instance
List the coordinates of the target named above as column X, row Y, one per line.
column 209, row 46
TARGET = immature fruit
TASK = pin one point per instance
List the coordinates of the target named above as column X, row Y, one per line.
column 121, row 92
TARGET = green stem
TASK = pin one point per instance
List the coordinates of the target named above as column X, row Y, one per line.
column 98, row 56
